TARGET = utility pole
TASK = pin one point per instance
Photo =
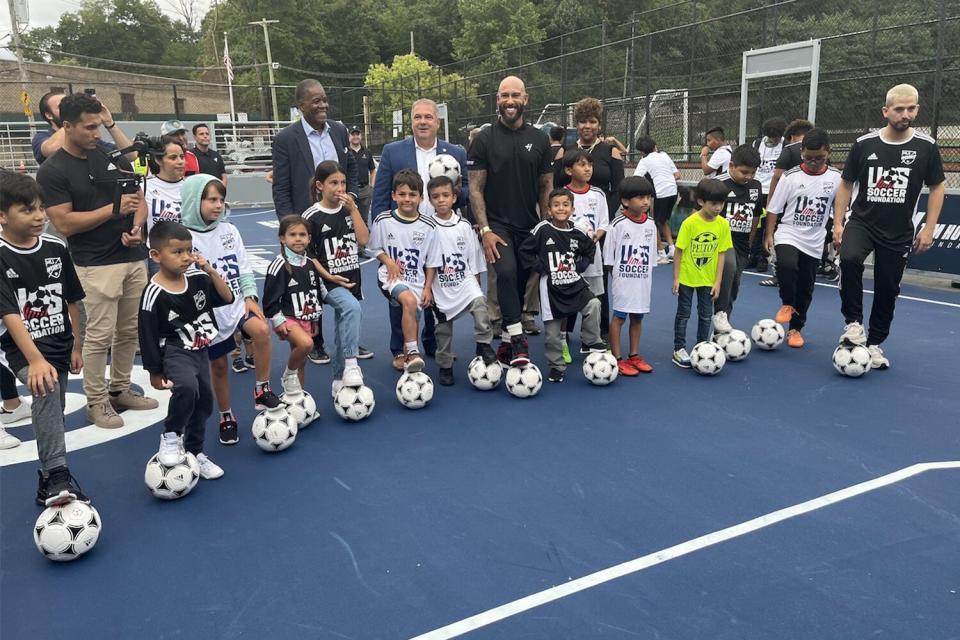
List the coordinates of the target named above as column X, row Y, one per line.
column 24, row 96
column 266, row 39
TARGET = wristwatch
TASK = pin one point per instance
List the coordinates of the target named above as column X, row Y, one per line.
column 484, row 230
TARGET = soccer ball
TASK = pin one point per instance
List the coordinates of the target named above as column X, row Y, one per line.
column 414, row 390
column 354, row 403
column 768, row 334
column 171, row 482
column 67, row 532
column 301, row 406
column 708, row 358
column 274, row 429
column 482, row 376
column 524, row 381
column 445, row 165
column 600, row 368
column 851, row 361
column 736, row 345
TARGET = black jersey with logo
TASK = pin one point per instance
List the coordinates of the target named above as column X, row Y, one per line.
column 333, row 241
column 889, row 178
column 559, row 256
column 183, row 318
column 742, row 210
column 295, row 291
column 37, row 284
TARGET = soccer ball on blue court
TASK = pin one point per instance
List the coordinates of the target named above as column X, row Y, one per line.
column 484, row 376
column 707, row 358
column 524, row 381
column 354, row 403
column 600, row 368
column 767, row 334
column 66, row 532
column 301, row 406
column 851, row 360
column 736, row 344
column 415, row 390
column 445, row 165
column 274, row 429
column 170, row 482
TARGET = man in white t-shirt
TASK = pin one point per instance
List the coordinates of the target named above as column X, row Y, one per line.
column 664, row 174
column 715, row 154
column 769, row 146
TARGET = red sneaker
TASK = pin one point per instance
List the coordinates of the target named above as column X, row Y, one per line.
column 626, row 369
column 784, row 314
column 639, row 364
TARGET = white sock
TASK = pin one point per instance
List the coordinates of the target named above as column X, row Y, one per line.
column 411, row 347
column 287, row 372
column 515, row 329
column 349, row 362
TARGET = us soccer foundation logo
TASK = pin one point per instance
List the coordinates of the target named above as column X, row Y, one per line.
column 563, row 268
column 453, row 271
column 42, row 310
column 341, row 253
column 634, row 262
column 887, row 185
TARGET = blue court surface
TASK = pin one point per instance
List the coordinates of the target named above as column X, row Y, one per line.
column 776, row 500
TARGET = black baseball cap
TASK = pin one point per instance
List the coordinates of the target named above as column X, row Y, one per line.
column 355, row 129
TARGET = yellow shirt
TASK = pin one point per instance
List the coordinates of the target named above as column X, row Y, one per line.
column 702, row 243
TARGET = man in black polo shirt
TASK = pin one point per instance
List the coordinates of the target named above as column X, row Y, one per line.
column 889, row 168
column 511, row 173
column 366, row 172
column 81, row 191
column 211, row 162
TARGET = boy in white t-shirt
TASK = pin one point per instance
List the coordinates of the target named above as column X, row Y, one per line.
column 804, row 203
column 452, row 285
column 629, row 252
column 660, row 169
column 715, row 154
column 401, row 240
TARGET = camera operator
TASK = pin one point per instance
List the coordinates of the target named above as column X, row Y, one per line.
column 95, row 201
column 46, row 143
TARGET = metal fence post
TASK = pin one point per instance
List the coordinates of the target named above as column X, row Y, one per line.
column 176, row 102
column 938, row 67
column 647, row 87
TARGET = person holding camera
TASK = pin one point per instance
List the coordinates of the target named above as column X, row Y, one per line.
column 46, row 143
column 94, row 199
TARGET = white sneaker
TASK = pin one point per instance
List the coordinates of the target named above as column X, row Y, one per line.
column 335, row 387
column 208, row 468
column 853, row 334
column 8, row 441
column 663, row 258
column 20, row 413
column 877, row 359
column 720, row 322
column 171, row 449
column 352, row 377
column 291, row 384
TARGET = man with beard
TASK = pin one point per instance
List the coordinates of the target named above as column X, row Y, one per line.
column 511, row 173
column 889, row 168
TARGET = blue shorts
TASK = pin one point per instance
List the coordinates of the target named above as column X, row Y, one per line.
column 623, row 315
column 222, row 348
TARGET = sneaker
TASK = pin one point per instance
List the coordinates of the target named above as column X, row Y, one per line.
column 853, row 334
column 794, row 339
column 681, row 358
column 291, row 384
column 352, row 377
column 556, row 375
column 58, row 488
column 319, row 356
column 22, row 412
column 877, row 359
column 364, row 354
column 130, row 400
column 720, row 322
column 103, row 415
column 446, row 376
column 663, row 258
column 762, row 265
column 171, row 449
column 504, row 354
column 626, row 369
column 228, row 431
column 567, row 358
column 638, row 363
column 770, row 282
column 335, row 387
column 264, row 398
column 413, row 362
column 519, row 352
column 485, row 351
column 598, row 347
column 248, row 361
column 209, row 470
column 239, row 365
column 785, row 313
column 398, row 361
column 8, row 441
column 529, row 325
column 831, row 273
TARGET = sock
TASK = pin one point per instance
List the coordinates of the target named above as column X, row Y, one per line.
column 349, row 362
column 515, row 329
column 226, row 415
column 563, row 336
column 287, row 372
column 411, row 347
column 504, row 336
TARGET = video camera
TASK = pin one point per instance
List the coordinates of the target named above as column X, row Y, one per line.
column 125, row 181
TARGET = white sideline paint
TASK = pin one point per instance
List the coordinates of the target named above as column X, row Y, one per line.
column 670, row 553
column 251, row 213
column 870, row 291
column 92, row 435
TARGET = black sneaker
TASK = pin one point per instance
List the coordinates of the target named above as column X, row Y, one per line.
column 58, row 488
column 530, row 327
column 598, row 347
column 228, row 431
column 485, row 351
column 556, row 375
column 770, row 282
column 762, row 266
column 519, row 352
column 320, row 356
column 503, row 354
column 264, row 398
column 362, row 354
column 430, row 350
column 239, row 365
column 446, row 376
column 248, row 361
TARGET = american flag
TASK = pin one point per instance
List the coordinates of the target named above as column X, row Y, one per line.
column 227, row 62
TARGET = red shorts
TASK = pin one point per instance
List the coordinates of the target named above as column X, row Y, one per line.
column 309, row 327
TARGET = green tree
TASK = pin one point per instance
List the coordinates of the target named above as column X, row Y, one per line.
column 490, row 27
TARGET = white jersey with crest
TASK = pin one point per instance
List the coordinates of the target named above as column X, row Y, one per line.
column 458, row 258
column 408, row 243
column 804, row 203
column 630, row 249
column 590, row 210
column 223, row 248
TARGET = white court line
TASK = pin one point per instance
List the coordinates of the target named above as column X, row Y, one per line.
column 664, row 555
column 870, row 291
column 251, row 213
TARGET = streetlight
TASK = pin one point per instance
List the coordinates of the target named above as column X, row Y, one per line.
column 266, row 39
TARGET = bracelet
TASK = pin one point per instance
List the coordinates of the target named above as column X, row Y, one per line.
column 110, row 126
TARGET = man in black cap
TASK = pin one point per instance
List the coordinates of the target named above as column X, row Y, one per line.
column 366, row 171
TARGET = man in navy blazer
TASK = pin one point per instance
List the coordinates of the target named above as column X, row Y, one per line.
column 416, row 153
column 300, row 146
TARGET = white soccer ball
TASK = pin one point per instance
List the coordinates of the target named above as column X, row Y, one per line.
column 768, row 334
column 445, row 165
column 301, row 406
column 851, row 360
column 707, row 358
column 274, row 429
column 354, row 403
column 415, row 390
column 600, row 368
column 524, row 381
column 67, row 532
column 483, row 376
column 171, row 482
column 736, row 344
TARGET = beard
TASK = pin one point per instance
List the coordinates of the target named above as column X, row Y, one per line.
column 901, row 126
column 501, row 109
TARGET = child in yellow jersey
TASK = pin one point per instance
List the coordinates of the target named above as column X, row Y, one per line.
column 698, row 265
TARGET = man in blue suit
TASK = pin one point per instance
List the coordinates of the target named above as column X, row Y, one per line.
column 416, row 153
